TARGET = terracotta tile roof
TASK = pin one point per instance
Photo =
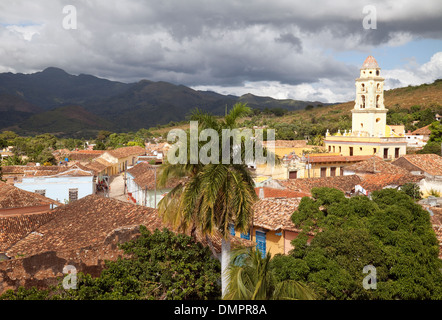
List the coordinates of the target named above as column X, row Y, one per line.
column 144, row 176
column 289, row 143
column 88, row 222
column 14, row 228
column 343, row 183
column 76, row 171
column 375, row 165
column 13, row 197
column 325, row 158
column 422, row 131
column 104, row 162
column 379, row 181
column 280, row 193
column 370, row 63
column 32, row 170
column 96, row 166
column 82, row 223
column 127, row 152
column 275, row 213
column 430, row 163
column 80, row 155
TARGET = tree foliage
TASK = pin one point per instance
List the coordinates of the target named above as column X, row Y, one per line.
column 251, row 278
column 390, row 232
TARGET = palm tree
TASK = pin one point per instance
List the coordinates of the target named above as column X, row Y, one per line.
column 213, row 196
column 251, row 278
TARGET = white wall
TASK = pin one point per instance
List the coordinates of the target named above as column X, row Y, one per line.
column 57, row 188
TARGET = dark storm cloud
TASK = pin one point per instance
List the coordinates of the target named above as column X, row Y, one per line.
column 224, row 43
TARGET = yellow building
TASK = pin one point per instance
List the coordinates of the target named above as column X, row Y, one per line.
column 272, row 229
column 370, row 134
column 285, row 149
column 118, row 160
column 317, row 165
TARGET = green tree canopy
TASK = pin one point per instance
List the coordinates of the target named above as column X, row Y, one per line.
column 390, row 232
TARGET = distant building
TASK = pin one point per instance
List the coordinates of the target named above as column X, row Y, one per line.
column 118, row 160
column 370, row 134
column 418, row 138
column 142, row 185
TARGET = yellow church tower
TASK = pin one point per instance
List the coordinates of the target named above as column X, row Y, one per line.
column 370, row 134
column 369, row 115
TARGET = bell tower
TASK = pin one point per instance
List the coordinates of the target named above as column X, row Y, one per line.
column 369, row 115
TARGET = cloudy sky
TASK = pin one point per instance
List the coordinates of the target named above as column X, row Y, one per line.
column 305, row 50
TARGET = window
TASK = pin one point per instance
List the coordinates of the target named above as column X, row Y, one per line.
column 232, row 229
column 341, row 169
column 73, row 195
column 323, row 172
column 41, row 192
column 385, row 153
column 351, row 151
column 363, row 87
column 377, row 101
column 396, row 153
column 245, row 235
column 329, row 148
column 363, row 102
column 340, row 149
column 378, row 119
column 261, row 243
column 377, row 72
column 332, row 171
column 360, row 148
column 374, row 150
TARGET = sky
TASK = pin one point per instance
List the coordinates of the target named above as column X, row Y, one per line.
column 286, row 49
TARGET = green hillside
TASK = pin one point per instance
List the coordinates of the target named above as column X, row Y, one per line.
column 72, row 121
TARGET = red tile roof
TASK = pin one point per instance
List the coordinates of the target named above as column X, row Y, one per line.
column 127, row 152
column 343, row 183
column 80, row 155
column 370, row 63
column 13, row 197
column 89, row 221
column 375, row 165
column 14, row 228
column 379, row 181
column 144, row 176
column 430, row 163
column 275, row 213
column 280, row 193
column 325, row 158
column 288, row 143
column 422, row 131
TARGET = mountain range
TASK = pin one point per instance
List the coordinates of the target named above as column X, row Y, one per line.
column 54, row 101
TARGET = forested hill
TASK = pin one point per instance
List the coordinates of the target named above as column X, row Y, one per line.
column 30, row 103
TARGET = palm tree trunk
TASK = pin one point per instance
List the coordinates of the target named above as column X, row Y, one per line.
column 225, row 260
